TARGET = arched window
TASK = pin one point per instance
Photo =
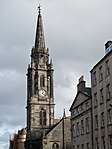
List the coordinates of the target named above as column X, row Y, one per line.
column 41, row 59
column 36, row 82
column 55, row 146
column 42, row 81
column 42, row 117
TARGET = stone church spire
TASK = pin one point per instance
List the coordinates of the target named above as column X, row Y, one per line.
column 39, row 39
column 40, row 89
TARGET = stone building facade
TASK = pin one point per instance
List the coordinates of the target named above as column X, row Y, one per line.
column 59, row 136
column 101, row 85
column 17, row 141
column 81, row 118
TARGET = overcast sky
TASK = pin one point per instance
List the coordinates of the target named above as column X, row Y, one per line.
column 75, row 33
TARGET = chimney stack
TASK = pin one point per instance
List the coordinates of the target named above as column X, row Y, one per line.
column 81, row 85
column 108, row 46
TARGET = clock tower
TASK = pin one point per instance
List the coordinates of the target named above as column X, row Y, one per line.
column 40, row 98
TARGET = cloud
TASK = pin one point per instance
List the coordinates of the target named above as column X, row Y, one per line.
column 65, row 91
column 12, row 87
column 5, row 134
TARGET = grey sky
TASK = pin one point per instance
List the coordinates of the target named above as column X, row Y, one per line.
column 75, row 33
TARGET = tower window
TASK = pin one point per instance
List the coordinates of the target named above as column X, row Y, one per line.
column 42, row 117
column 41, row 58
column 42, row 81
column 36, row 82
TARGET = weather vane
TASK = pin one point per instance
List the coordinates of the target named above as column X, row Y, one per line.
column 39, row 9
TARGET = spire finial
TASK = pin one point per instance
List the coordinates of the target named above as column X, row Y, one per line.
column 39, row 9
column 39, row 39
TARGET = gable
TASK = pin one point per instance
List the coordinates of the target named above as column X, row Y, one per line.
column 55, row 135
column 55, row 130
column 80, row 97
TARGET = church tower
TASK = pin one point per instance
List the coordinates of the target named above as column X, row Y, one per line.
column 40, row 98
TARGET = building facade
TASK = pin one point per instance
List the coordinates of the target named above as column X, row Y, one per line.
column 17, row 141
column 81, row 118
column 101, row 85
column 59, row 136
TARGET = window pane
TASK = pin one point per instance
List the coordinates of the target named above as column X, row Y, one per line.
column 95, row 100
column 108, row 91
column 82, row 127
column 42, row 117
column 87, row 146
column 87, row 124
column 78, row 132
column 101, row 96
column 107, row 68
column 100, row 73
column 102, row 119
column 97, row 143
column 94, row 80
column 110, row 116
column 103, row 143
column 82, row 146
column 96, row 122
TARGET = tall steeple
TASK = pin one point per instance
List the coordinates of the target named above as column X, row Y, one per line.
column 40, row 95
column 39, row 39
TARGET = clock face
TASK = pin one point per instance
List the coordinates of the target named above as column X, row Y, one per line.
column 42, row 93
